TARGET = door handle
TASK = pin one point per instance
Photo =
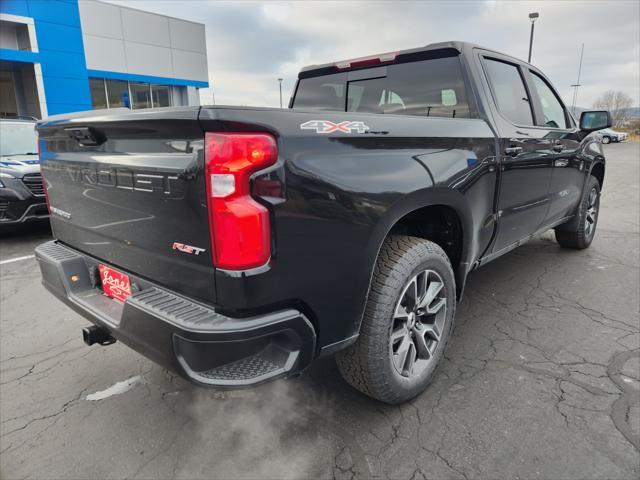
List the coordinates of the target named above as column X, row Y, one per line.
column 558, row 147
column 513, row 151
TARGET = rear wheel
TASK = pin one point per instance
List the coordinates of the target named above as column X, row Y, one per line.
column 581, row 236
column 407, row 321
column 606, row 140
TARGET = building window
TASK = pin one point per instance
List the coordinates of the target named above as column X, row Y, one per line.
column 140, row 95
column 118, row 93
column 15, row 36
column 161, row 95
column 8, row 101
column 98, row 93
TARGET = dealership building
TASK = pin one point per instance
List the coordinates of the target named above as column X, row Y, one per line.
column 60, row 56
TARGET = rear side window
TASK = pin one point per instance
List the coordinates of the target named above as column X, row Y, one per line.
column 429, row 88
column 554, row 116
column 509, row 91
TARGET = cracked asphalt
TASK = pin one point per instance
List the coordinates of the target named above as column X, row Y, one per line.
column 541, row 380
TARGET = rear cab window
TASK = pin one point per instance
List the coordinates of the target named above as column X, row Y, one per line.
column 427, row 88
column 326, row 92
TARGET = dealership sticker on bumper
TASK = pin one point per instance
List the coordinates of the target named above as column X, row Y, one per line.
column 115, row 284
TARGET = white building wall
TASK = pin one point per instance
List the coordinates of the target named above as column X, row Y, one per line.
column 193, row 96
column 126, row 40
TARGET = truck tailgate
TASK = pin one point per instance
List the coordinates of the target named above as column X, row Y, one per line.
column 127, row 188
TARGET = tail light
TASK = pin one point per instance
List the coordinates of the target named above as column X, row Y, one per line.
column 44, row 182
column 239, row 226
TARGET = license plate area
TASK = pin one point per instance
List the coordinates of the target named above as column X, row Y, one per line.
column 115, row 284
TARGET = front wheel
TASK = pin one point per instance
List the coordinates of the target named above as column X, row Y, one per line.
column 407, row 321
column 581, row 235
column 606, row 140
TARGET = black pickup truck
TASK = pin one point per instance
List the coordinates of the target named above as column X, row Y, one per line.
column 236, row 245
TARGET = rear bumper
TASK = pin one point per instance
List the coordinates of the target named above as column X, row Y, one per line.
column 181, row 334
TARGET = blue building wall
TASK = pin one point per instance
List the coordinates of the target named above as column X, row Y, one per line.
column 61, row 51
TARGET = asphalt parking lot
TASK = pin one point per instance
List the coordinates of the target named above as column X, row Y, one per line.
column 541, row 380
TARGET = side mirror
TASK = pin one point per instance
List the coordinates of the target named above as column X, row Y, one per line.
column 595, row 120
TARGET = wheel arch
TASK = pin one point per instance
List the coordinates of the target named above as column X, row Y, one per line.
column 597, row 170
column 436, row 204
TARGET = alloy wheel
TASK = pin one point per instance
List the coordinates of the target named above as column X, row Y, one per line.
column 418, row 323
column 592, row 213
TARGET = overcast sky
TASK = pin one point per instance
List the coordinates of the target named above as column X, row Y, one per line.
column 251, row 44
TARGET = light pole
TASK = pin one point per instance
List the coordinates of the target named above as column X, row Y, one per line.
column 533, row 17
column 577, row 84
column 280, row 85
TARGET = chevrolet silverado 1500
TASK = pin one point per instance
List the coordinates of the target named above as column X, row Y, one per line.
column 236, row 245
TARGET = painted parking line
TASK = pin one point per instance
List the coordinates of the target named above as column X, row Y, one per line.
column 17, row 259
column 116, row 389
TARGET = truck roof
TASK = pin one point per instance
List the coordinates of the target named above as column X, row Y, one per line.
column 433, row 50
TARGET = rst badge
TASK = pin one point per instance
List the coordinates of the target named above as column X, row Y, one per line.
column 325, row 126
column 187, row 248
column 60, row 212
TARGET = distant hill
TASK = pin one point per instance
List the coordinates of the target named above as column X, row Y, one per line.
column 633, row 112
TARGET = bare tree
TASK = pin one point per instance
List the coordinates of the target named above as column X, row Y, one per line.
column 618, row 104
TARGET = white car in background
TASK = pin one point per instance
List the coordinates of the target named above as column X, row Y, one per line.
column 607, row 136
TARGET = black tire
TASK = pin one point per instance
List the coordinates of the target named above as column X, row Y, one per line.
column 606, row 140
column 370, row 364
column 578, row 234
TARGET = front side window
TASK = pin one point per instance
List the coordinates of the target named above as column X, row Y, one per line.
column 554, row 116
column 509, row 91
column 428, row 88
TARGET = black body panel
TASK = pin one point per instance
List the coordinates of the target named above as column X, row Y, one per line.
column 541, row 183
column 344, row 193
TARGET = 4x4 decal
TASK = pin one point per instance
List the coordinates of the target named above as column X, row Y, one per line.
column 325, row 126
